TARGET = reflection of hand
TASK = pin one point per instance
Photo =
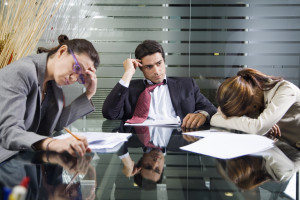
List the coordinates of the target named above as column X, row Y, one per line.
column 70, row 163
column 88, row 191
column 92, row 195
column 129, row 167
column 90, row 82
column 193, row 120
column 189, row 138
column 58, row 191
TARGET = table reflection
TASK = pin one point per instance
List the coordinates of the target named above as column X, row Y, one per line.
column 154, row 142
column 279, row 163
column 50, row 174
column 151, row 165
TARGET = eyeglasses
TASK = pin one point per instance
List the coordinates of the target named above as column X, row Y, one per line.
column 78, row 69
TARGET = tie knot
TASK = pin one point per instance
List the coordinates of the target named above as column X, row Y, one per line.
column 152, row 87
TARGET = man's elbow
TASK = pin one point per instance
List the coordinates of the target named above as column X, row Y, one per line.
column 106, row 115
column 110, row 115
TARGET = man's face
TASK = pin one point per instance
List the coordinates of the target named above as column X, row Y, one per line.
column 152, row 165
column 154, row 68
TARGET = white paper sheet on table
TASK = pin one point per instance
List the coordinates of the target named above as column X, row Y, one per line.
column 101, row 140
column 226, row 145
column 165, row 122
column 209, row 132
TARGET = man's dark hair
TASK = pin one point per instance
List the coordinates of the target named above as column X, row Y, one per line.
column 143, row 183
column 148, row 47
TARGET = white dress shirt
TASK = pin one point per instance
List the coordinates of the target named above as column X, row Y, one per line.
column 160, row 136
column 161, row 106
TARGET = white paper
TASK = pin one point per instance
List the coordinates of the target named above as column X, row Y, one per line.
column 101, row 140
column 209, row 132
column 157, row 122
column 109, row 150
column 229, row 145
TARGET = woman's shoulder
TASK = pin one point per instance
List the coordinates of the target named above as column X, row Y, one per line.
column 286, row 85
column 23, row 64
column 24, row 68
column 285, row 88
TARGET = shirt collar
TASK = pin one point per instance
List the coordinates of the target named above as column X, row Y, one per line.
column 148, row 82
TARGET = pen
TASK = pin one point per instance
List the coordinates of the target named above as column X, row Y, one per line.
column 77, row 173
column 72, row 133
column 76, row 137
column 69, row 184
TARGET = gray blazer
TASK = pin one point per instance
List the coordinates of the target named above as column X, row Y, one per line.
column 20, row 107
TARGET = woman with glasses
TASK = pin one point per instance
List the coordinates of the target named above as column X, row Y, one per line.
column 32, row 101
column 257, row 103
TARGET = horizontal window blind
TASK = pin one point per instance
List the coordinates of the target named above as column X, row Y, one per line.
column 204, row 39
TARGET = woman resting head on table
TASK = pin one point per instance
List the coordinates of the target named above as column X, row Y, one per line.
column 256, row 103
column 32, row 100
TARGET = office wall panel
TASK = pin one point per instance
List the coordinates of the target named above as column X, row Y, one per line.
column 204, row 39
column 225, row 48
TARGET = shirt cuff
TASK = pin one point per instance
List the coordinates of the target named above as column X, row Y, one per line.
column 124, row 83
column 123, row 156
column 204, row 113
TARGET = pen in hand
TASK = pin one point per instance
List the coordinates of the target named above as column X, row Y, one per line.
column 72, row 134
column 77, row 138
column 77, row 173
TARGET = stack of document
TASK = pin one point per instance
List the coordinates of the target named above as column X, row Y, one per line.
column 100, row 141
column 227, row 145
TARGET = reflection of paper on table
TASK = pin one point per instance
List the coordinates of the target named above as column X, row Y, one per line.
column 100, row 140
column 229, row 145
column 158, row 122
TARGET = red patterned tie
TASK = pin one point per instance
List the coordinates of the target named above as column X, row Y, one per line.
column 143, row 134
column 143, row 104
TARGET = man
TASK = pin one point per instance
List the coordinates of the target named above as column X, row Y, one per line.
column 148, row 171
column 176, row 97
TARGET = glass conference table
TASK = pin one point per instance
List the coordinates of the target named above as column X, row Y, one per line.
column 179, row 174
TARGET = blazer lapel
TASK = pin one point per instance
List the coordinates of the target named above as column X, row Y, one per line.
column 58, row 106
column 174, row 90
column 40, row 62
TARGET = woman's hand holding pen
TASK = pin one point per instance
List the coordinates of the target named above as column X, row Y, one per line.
column 70, row 145
column 90, row 82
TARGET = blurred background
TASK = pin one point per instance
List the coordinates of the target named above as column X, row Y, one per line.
column 207, row 40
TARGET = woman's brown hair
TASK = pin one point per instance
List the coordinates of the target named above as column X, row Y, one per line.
column 77, row 46
column 247, row 172
column 236, row 93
